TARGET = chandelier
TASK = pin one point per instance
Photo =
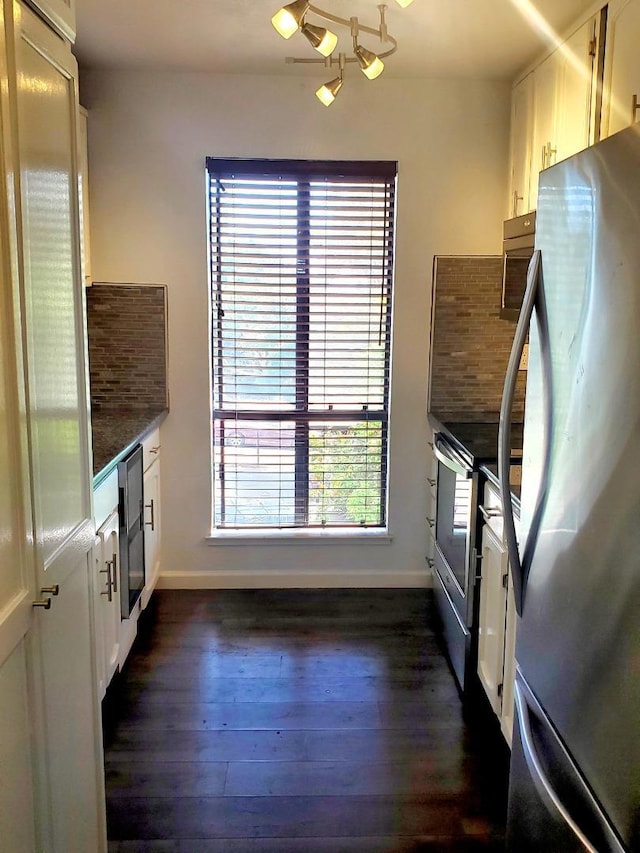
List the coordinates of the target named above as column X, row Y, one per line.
column 293, row 17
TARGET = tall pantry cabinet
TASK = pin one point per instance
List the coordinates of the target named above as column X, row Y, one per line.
column 51, row 792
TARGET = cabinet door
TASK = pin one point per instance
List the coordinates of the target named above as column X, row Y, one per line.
column 107, row 597
column 575, row 86
column 491, row 621
column 53, row 297
column 83, row 165
column 623, row 65
column 544, row 126
column 61, row 664
column 61, row 14
column 151, row 529
column 17, row 805
column 69, row 761
column 521, row 128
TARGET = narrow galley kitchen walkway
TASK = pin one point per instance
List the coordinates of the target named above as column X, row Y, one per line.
column 287, row 721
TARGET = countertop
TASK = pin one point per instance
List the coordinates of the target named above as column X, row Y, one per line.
column 478, row 439
column 116, row 432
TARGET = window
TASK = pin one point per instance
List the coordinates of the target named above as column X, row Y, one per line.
column 301, row 272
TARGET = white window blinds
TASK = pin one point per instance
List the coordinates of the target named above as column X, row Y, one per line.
column 301, row 275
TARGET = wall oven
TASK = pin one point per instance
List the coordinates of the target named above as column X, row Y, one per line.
column 517, row 247
column 455, row 553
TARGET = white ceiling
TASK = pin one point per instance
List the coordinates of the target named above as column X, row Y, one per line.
column 437, row 38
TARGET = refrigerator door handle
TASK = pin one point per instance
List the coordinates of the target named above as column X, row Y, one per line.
column 504, row 431
column 543, row 785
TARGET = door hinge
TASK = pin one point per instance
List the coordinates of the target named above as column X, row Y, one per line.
column 593, row 44
column 500, row 689
column 505, row 580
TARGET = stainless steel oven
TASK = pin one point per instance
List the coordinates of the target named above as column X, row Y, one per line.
column 517, row 247
column 455, row 553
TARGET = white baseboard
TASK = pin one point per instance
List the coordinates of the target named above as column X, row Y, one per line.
column 294, row 580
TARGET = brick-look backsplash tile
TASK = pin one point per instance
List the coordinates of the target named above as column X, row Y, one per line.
column 470, row 343
column 126, row 327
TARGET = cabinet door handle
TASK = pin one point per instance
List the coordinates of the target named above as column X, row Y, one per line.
column 114, row 573
column 490, row 512
column 51, row 590
column 109, row 590
column 151, row 508
column 516, row 199
column 43, row 602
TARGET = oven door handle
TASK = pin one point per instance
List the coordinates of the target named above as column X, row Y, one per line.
column 449, row 462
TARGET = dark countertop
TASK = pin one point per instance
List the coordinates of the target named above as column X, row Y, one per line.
column 115, row 432
column 478, row 439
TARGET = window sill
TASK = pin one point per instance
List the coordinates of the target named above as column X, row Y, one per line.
column 336, row 536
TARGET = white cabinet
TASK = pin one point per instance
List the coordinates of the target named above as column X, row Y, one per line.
column 107, row 601
column 622, row 91
column 151, row 529
column 83, row 176
column 553, row 113
column 491, row 621
column 576, row 71
column 47, row 667
column 521, row 140
column 61, row 14
column 497, row 616
column 544, row 145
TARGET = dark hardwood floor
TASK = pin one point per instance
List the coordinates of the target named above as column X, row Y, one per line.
column 284, row 721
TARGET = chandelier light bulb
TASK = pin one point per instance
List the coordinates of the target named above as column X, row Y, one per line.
column 288, row 19
column 371, row 64
column 326, row 94
column 404, row 3
column 322, row 40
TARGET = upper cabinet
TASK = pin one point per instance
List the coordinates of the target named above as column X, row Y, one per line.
column 553, row 113
column 521, row 129
column 622, row 77
column 61, row 14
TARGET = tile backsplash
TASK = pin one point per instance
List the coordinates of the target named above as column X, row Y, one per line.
column 470, row 342
column 127, row 330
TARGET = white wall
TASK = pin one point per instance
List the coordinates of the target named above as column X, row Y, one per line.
column 149, row 135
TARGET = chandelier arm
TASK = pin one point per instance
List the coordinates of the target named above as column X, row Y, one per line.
column 293, row 60
column 328, row 16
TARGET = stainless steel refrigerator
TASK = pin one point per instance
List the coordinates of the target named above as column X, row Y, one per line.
column 575, row 769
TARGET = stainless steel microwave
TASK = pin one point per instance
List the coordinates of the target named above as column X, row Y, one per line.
column 517, row 246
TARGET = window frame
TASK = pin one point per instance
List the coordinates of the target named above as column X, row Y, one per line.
column 303, row 172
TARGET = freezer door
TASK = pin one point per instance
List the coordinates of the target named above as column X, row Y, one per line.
column 578, row 642
column 550, row 805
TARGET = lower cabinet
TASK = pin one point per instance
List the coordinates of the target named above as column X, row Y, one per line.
column 107, row 601
column 151, row 528
column 497, row 616
column 114, row 634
